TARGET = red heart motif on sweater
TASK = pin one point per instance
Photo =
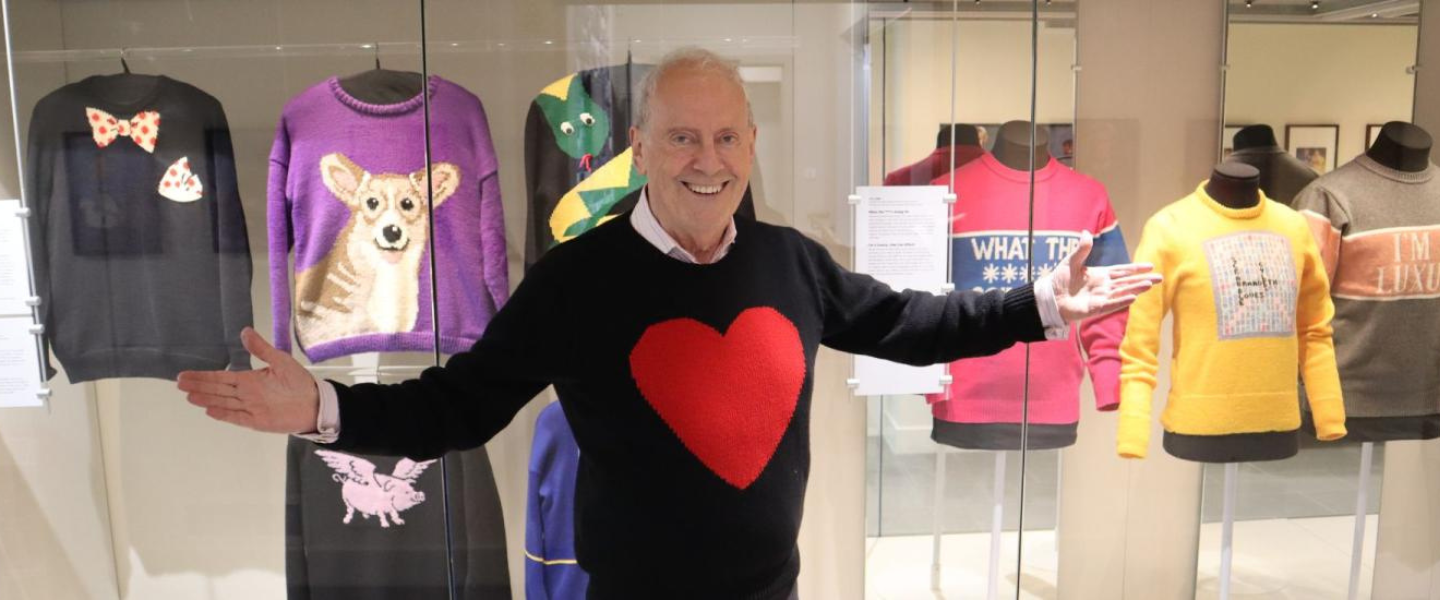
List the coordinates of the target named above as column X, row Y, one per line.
column 729, row 398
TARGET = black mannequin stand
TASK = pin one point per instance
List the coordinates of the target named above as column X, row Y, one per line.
column 383, row 86
column 1401, row 146
column 964, row 134
column 1255, row 136
column 1234, row 185
column 1012, row 146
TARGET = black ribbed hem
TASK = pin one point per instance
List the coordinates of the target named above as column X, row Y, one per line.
column 1380, row 429
column 1002, row 436
column 154, row 363
column 628, row 588
column 1022, row 316
column 1234, row 447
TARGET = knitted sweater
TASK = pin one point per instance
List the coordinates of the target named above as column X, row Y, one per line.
column 348, row 190
column 1379, row 233
column 364, row 527
column 990, row 251
column 688, row 390
column 138, row 238
column 1252, row 314
column 551, row 571
column 937, row 164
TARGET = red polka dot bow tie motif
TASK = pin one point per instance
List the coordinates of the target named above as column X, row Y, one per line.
column 143, row 128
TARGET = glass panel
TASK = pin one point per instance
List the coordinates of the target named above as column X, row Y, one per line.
column 949, row 512
column 1306, row 92
column 169, row 145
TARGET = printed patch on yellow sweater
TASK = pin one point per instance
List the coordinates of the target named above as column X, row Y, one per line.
column 1252, row 274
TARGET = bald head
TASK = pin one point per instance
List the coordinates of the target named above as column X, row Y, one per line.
column 687, row 61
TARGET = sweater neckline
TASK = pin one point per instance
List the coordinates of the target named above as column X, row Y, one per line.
column 397, row 108
column 1227, row 212
column 649, row 252
column 1396, row 174
column 145, row 101
column 1017, row 175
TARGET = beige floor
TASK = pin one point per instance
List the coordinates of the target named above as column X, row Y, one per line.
column 1275, row 559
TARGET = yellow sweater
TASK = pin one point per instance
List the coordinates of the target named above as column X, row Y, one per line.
column 1252, row 308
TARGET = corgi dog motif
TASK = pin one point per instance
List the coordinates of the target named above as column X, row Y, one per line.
column 369, row 282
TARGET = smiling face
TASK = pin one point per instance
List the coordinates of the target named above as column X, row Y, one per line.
column 696, row 149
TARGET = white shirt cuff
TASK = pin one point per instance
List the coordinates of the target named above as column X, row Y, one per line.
column 327, row 420
column 1055, row 326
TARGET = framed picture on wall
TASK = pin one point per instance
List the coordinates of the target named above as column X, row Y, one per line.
column 1227, row 140
column 1314, row 145
column 1372, row 131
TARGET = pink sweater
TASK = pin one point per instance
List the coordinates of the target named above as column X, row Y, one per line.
column 988, row 228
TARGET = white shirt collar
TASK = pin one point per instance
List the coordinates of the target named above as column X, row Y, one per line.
column 645, row 223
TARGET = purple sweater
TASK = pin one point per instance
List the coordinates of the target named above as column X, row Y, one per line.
column 347, row 194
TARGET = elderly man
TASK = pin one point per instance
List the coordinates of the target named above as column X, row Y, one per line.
column 682, row 341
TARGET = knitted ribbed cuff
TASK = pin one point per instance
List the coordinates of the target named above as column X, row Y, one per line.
column 1133, row 439
column 1022, row 316
column 1105, row 380
column 1329, row 414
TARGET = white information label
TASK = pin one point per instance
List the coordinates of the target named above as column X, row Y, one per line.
column 901, row 238
column 14, row 280
column 19, row 373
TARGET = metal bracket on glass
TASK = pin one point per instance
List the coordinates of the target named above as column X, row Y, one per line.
column 852, row 383
column 1076, row 68
column 946, row 380
column 37, row 329
column 1224, row 67
column 32, row 301
column 947, row 288
column 23, row 212
column 43, row 394
column 853, row 199
column 1412, row 69
column 951, row 198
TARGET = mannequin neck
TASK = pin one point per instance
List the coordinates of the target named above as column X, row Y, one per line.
column 383, row 86
column 1234, row 187
column 1255, row 136
column 1401, row 146
column 1012, row 146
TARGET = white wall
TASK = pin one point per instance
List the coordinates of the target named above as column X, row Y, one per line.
column 990, row 71
column 1347, row 75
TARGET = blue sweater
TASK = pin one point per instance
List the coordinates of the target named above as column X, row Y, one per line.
column 551, row 571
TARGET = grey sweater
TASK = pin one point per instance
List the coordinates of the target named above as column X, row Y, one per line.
column 1379, row 232
column 141, row 257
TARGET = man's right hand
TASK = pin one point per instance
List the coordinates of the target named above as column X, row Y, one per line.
column 280, row 398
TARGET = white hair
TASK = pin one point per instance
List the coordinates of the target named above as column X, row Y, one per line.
column 689, row 57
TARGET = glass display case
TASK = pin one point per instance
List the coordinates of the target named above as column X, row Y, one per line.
column 367, row 184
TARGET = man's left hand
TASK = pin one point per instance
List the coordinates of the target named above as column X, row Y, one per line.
column 1084, row 292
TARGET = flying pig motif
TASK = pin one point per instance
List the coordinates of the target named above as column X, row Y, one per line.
column 372, row 494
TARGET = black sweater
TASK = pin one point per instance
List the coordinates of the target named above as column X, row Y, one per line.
column 688, row 387
column 141, row 258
